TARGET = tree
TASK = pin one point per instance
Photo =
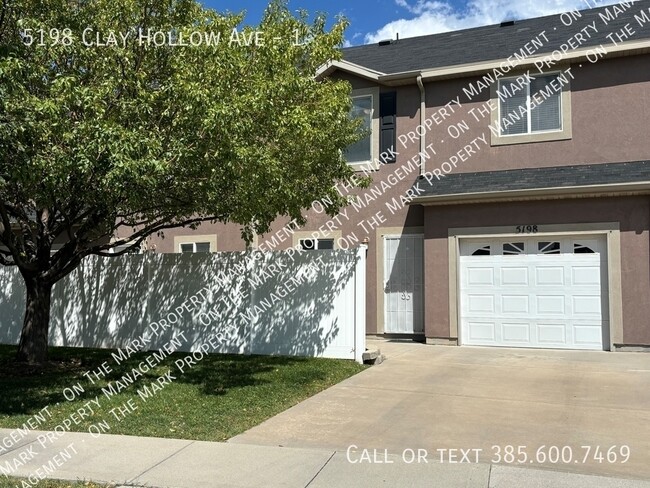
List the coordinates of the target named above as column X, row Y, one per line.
column 106, row 132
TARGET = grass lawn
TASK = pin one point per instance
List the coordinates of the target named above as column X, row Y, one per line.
column 13, row 482
column 222, row 396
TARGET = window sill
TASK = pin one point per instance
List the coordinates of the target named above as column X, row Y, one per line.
column 364, row 166
column 531, row 138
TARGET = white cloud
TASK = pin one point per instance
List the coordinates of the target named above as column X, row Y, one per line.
column 434, row 16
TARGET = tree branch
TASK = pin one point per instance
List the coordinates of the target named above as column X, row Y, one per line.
column 8, row 238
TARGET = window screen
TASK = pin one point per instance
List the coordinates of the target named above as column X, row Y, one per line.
column 530, row 107
column 546, row 115
column 202, row 247
column 361, row 151
column 513, row 103
column 188, row 247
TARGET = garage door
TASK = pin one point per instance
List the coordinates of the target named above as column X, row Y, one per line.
column 534, row 292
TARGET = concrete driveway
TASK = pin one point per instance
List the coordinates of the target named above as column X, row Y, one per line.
column 468, row 404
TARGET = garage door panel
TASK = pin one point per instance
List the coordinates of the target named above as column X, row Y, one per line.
column 482, row 331
column 481, row 304
column 586, row 305
column 586, row 275
column 514, row 276
column 551, row 305
column 515, row 304
column 587, row 334
column 551, row 334
column 516, row 333
column 480, row 276
column 552, row 296
column 549, row 275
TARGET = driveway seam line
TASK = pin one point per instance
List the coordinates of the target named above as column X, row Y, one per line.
column 537, row 402
column 489, row 480
column 321, row 469
column 160, row 462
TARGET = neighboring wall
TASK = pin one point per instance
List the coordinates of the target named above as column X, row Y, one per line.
column 227, row 236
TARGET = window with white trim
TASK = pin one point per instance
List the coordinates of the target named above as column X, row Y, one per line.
column 531, row 103
column 194, row 247
column 133, row 250
column 361, row 151
column 314, row 244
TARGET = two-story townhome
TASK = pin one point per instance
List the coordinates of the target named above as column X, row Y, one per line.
column 510, row 202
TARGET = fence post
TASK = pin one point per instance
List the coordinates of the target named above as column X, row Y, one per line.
column 360, row 303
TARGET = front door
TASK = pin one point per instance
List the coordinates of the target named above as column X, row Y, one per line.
column 403, row 284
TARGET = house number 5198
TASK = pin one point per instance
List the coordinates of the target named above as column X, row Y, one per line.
column 527, row 229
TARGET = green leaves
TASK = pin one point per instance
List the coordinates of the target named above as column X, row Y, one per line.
column 157, row 135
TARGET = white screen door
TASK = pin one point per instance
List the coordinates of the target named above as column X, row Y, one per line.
column 403, row 284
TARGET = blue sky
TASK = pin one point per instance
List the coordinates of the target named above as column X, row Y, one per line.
column 373, row 20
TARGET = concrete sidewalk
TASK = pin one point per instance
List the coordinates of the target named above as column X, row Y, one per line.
column 152, row 462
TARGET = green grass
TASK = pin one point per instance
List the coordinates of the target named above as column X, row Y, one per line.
column 220, row 397
column 15, row 482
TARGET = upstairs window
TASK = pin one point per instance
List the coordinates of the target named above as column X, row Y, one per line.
column 531, row 107
column 530, row 104
column 361, row 151
column 378, row 115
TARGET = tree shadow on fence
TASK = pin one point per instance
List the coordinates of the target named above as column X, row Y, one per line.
column 280, row 303
column 12, row 305
column 110, row 302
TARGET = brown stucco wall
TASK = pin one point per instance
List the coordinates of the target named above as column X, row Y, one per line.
column 610, row 106
column 408, row 105
column 228, row 237
column 633, row 214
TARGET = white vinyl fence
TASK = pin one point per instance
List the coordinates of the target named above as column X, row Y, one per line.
column 280, row 303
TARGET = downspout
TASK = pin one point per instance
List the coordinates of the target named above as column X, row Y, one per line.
column 423, row 106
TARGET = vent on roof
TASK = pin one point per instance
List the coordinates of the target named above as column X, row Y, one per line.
column 507, row 23
column 387, row 42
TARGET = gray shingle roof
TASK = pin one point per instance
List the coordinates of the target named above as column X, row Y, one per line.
column 490, row 42
column 538, row 178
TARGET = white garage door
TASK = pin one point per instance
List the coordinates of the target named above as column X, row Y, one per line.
column 542, row 292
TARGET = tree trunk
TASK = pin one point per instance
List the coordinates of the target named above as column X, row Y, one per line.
column 33, row 339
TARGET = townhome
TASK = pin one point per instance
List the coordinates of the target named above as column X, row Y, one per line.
column 510, row 195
